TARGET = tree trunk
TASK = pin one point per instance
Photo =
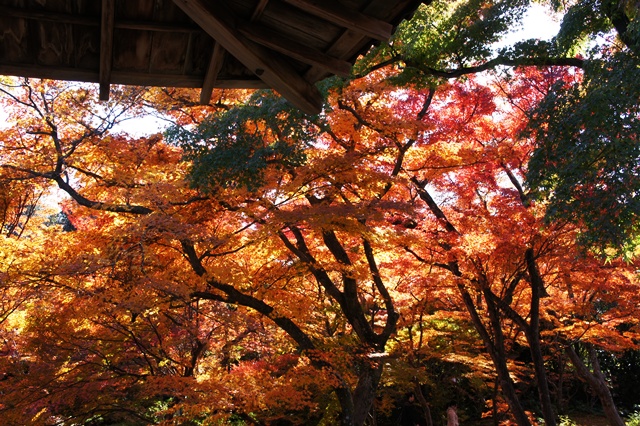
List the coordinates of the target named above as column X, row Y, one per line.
column 597, row 382
column 365, row 393
column 560, row 386
column 541, row 377
column 417, row 390
column 494, row 408
column 356, row 406
column 495, row 347
column 532, row 333
column 509, row 390
column 345, row 399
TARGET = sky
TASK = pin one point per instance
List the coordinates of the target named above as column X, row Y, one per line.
column 537, row 23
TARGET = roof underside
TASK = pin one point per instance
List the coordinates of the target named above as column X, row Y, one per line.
column 287, row 45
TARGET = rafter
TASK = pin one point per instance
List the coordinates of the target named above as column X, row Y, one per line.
column 257, row 12
column 217, row 59
column 334, row 12
column 210, row 78
column 106, row 46
column 308, row 55
column 220, row 24
column 348, row 45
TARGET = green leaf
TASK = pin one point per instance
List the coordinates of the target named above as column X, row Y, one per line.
column 587, row 163
column 235, row 148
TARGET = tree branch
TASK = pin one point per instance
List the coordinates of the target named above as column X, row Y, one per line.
column 494, row 63
column 232, row 295
column 97, row 205
column 392, row 315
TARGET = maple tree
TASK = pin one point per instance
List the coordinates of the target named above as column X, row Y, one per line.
column 585, row 165
column 376, row 119
column 156, row 298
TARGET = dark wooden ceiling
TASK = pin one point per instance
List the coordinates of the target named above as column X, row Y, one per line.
column 287, row 45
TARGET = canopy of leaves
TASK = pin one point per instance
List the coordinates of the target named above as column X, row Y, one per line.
column 234, row 148
column 586, row 164
column 446, row 36
column 588, row 159
column 454, row 39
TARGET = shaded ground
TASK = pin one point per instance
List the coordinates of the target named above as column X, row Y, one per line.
column 574, row 419
column 588, row 420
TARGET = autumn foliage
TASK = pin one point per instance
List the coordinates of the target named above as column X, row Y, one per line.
column 253, row 265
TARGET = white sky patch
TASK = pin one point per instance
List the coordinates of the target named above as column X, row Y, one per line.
column 142, row 126
column 537, row 23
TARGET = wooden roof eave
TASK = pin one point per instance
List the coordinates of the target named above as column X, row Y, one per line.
column 220, row 24
column 286, row 45
column 254, row 45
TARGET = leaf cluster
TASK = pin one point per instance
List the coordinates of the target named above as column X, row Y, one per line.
column 582, row 22
column 587, row 160
column 445, row 35
column 236, row 148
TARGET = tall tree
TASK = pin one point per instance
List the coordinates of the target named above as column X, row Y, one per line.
column 586, row 160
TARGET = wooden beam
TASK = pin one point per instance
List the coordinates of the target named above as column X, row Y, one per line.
column 65, row 18
column 350, row 43
column 308, row 55
column 106, row 46
column 179, row 80
column 156, row 27
column 257, row 12
column 219, row 23
column 334, row 12
column 130, row 78
column 210, row 78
